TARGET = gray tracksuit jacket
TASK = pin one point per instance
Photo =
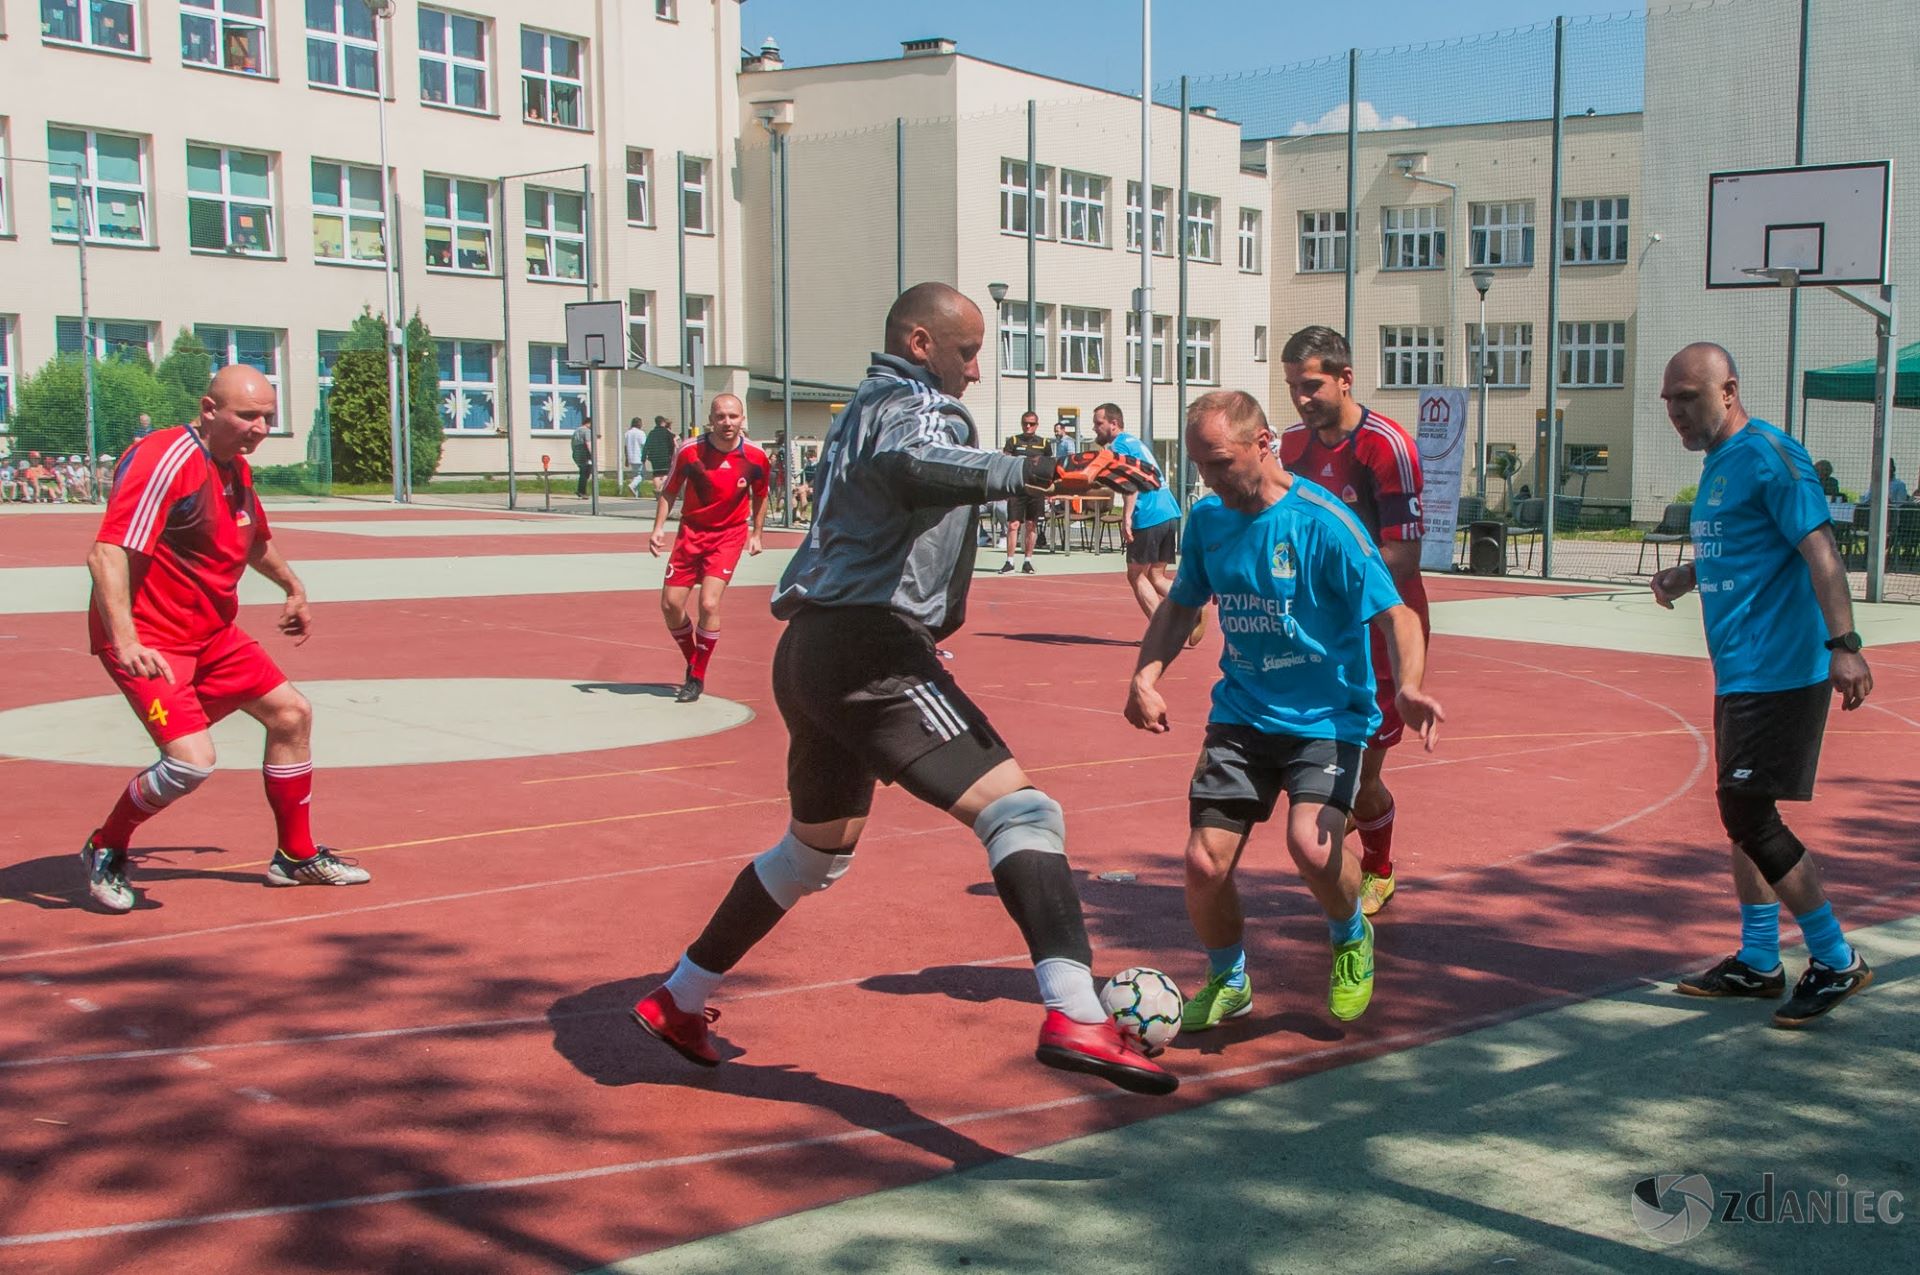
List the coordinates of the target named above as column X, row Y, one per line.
column 894, row 510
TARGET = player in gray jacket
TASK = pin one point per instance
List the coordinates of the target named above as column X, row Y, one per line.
column 866, row 697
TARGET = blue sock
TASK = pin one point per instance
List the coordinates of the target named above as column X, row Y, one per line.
column 1351, row 930
column 1821, row 929
column 1231, row 961
column 1760, row 935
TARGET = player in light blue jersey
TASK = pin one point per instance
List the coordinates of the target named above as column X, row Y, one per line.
column 1149, row 521
column 1773, row 591
column 1297, row 580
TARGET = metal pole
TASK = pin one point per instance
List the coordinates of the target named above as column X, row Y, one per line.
column 396, row 355
column 999, row 370
column 82, row 224
column 1353, row 186
column 1480, row 455
column 593, row 381
column 1551, row 475
column 1180, row 369
column 1033, row 205
column 1885, row 380
column 899, row 204
column 506, row 352
column 1143, row 306
column 786, row 342
column 680, row 248
column 1799, row 157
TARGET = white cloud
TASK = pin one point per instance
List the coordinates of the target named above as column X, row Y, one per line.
column 1335, row 121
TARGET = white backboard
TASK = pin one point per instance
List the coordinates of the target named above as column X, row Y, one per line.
column 597, row 334
column 1826, row 222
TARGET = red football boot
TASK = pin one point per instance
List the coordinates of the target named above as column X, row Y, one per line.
column 1101, row 1049
column 686, row 1033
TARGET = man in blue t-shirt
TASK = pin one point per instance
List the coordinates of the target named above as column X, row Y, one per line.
column 1149, row 522
column 1297, row 580
column 1773, row 591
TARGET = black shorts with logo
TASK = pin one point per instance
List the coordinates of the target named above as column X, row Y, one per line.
column 1767, row 743
column 1026, row 507
column 1243, row 771
column 865, row 695
column 1157, row 543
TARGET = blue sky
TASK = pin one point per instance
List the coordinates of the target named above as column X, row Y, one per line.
column 1097, row 42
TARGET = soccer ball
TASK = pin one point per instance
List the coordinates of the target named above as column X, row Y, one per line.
column 1146, row 1004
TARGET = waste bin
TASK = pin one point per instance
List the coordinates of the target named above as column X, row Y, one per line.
column 1487, row 548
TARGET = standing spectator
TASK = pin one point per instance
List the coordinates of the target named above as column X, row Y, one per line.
column 1027, row 509
column 79, row 480
column 583, row 454
column 660, row 448
column 103, row 478
column 1065, row 444
column 143, row 427
column 635, row 442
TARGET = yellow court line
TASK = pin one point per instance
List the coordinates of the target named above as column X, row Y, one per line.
column 1106, row 761
column 610, row 774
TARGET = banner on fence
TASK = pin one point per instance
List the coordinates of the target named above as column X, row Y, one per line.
column 1441, row 435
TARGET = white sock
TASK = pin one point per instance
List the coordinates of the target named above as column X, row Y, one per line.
column 692, row 987
column 1068, row 987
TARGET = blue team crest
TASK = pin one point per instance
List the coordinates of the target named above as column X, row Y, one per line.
column 1717, row 490
column 1282, row 561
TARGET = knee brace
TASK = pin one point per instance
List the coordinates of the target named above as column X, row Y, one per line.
column 793, row 869
column 1753, row 825
column 1023, row 820
column 165, row 782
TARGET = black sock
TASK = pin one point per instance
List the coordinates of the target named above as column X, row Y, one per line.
column 1036, row 886
column 747, row 915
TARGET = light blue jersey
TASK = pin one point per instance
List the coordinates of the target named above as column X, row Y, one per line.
column 1150, row 508
column 1297, row 584
column 1759, row 498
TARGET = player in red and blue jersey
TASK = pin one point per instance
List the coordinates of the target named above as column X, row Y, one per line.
column 720, row 480
column 1372, row 464
column 182, row 527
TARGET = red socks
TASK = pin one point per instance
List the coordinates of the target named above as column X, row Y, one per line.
column 289, row 789
column 683, row 638
column 128, row 813
column 1376, row 843
column 703, row 644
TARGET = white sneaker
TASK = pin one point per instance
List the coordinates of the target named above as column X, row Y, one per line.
column 324, row 868
column 107, row 877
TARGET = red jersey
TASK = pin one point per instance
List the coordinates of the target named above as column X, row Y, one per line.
column 189, row 524
column 717, row 488
column 1375, row 469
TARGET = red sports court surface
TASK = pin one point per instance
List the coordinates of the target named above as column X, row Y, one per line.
column 435, row 1072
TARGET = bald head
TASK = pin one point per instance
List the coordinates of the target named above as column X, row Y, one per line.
column 937, row 328
column 1706, row 358
column 727, row 403
column 237, row 380
column 726, row 422
column 924, row 305
column 1701, row 388
column 237, row 411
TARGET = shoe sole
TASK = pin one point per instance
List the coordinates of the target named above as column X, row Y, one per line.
column 670, row 1043
column 1377, row 908
column 1132, row 1079
column 275, row 880
column 1866, row 981
column 1242, row 1012
column 1759, row 994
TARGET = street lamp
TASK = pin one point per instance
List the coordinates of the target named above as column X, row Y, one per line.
column 1482, row 281
column 998, row 291
column 399, row 391
column 777, row 119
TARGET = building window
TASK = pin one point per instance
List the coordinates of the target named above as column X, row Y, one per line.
column 1203, row 223
column 342, row 50
column 454, row 60
column 667, row 10
column 1083, row 208
column 349, row 213
column 6, row 209
column 1593, row 355
column 693, row 196
column 640, row 327
column 6, row 368
column 228, row 34
column 1586, row 458
column 230, row 201
column 1162, row 207
column 1259, row 343
column 1509, row 355
column 1593, row 232
column 1501, row 234
column 639, row 187
column 1201, row 339
column 328, row 346
column 699, row 310
column 1250, row 241
column 258, row 348
column 556, row 234
column 1014, row 198
column 112, row 338
column 467, row 386
column 552, row 89
column 556, row 393
column 1412, row 239
column 1411, row 357
column 113, row 184
column 458, row 218
column 1013, row 340
column 1161, row 327
column 1083, row 343
column 98, row 24
column 1323, row 242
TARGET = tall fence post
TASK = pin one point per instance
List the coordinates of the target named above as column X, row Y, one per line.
column 1799, row 157
column 1550, row 477
column 1180, row 369
column 1033, row 205
column 1353, row 180
column 900, row 206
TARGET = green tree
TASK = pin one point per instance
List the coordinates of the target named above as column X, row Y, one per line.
column 423, row 413
column 361, row 440
column 185, row 373
column 51, row 413
column 367, row 336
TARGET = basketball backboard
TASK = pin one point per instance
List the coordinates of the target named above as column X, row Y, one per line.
column 597, row 334
column 1819, row 224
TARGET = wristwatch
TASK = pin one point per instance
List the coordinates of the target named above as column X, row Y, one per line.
column 1848, row 641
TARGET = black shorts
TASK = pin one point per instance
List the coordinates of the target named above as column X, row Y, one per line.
column 1242, row 773
column 1026, row 507
column 1767, row 743
column 1157, row 543
column 865, row 695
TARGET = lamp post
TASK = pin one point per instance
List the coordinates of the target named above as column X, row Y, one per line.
column 777, row 119
column 998, row 291
column 399, row 391
column 1482, row 281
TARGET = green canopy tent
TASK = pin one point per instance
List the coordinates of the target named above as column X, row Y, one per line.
column 1853, row 382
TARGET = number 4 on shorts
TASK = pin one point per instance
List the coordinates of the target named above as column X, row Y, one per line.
column 155, row 713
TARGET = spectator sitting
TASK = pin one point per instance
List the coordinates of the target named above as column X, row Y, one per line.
column 1829, row 485
column 1897, row 493
column 103, row 477
column 9, row 490
column 79, row 480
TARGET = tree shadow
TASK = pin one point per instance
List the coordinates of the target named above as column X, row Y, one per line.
column 58, row 882
column 1063, row 639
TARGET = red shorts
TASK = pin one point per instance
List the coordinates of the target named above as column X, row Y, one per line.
column 208, row 684
column 698, row 554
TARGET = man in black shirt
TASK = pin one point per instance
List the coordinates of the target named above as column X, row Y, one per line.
column 1025, row 511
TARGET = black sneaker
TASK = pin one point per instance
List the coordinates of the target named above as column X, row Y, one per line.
column 1734, row 977
column 689, row 691
column 1026, row 568
column 1820, row 989
column 1007, row 570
